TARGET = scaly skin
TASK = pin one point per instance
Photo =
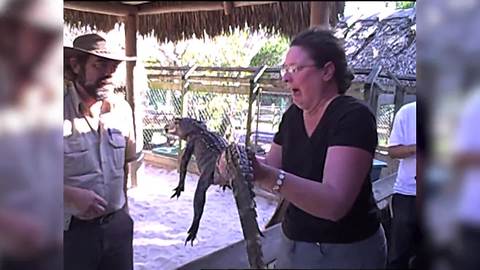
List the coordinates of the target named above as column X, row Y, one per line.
column 239, row 174
column 208, row 149
column 206, row 146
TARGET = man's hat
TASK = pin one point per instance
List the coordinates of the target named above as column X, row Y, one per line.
column 95, row 45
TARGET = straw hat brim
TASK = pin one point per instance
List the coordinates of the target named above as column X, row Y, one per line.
column 71, row 52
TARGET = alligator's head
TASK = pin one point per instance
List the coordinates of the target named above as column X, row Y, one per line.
column 183, row 127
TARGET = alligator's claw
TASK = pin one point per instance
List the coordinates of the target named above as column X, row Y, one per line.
column 178, row 190
column 192, row 234
column 226, row 186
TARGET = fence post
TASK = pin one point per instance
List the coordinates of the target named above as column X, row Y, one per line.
column 399, row 96
column 183, row 103
column 258, row 98
column 252, row 95
column 370, row 94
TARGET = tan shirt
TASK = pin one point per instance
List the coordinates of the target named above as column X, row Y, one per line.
column 97, row 144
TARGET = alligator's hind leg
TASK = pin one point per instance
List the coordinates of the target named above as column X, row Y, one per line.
column 205, row 180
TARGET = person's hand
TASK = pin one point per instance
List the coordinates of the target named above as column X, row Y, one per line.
column 86, row 204
column 261, row 171
column 220, row 172
column 21, row 235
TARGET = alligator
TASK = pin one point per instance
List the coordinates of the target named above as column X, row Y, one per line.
column 239, row 175
column 206, row 146
column 209, row 148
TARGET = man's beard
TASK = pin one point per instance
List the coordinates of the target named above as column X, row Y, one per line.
column 99, row 90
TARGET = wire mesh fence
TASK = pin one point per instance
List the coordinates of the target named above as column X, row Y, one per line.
column 225, row 111
column 385, row 115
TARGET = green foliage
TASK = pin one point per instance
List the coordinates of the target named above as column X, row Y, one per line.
column 404, row 4
column 230, row 50
column 271, row 53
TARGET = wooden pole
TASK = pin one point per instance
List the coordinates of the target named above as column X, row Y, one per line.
column 131, row 50
column 228, row 7
column 131, row 21
column 154, row 8
column 115, row 9
column 319, row 14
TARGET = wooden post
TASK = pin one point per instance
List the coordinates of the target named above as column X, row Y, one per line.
column 131, row 50
column 398, row 98
column 228, row 7
column 319, row 14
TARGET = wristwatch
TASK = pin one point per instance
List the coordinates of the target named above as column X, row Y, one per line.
column 279, row 181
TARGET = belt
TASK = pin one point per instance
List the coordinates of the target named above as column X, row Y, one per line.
column 98, row 220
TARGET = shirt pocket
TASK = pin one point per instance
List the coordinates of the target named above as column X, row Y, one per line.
column 75, row 157
column 118, row 143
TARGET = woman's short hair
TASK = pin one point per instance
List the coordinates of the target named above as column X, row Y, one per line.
column 322, row 46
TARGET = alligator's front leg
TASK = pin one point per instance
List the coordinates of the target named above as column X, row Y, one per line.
column 205, row 180
column 187, row 155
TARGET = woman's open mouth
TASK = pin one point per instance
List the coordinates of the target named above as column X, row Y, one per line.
column 295, row 91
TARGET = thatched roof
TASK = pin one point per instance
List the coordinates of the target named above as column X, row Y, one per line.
column 287, row 18
column 389, row 42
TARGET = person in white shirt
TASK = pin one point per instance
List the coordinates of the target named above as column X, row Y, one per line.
column 402, row 146
column 467, row 162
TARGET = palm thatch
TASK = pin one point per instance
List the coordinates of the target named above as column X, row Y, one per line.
column 389, row 42
column 287, row 18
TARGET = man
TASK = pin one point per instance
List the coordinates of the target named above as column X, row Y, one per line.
column 98, row 144
column 402, row 145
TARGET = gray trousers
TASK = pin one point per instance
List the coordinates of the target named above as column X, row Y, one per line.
column 370, row 253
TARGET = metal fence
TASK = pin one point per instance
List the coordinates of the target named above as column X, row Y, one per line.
column 244, row 105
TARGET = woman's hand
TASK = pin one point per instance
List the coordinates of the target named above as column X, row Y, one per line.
column 261, row 172
column 220, row 172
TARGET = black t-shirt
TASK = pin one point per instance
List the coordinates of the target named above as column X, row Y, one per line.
column 346, row 122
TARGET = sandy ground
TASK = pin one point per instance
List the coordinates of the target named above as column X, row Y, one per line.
column 161, row 223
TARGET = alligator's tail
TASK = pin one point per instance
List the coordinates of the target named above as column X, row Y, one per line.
column 242, row 186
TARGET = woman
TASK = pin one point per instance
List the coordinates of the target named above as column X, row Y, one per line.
column 320, row 161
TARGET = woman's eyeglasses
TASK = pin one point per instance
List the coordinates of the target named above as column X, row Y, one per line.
column 293, row 69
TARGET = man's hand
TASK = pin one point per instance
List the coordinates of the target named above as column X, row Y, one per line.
column 402, row 151
column 84, row 203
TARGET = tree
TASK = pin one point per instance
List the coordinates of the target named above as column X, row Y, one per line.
column 271, row 53
column 404, row 4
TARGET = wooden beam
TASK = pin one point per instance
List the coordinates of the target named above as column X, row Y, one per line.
column 153, row 8
column 107, row 8
column 254, row 3
column 131, row 50
column 228, row 7
column 319, row 14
